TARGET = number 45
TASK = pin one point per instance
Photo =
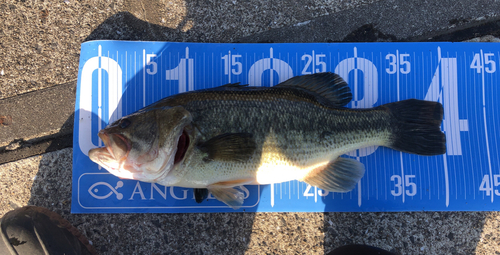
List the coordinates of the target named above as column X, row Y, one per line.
column 487, row 186
column 480, row 65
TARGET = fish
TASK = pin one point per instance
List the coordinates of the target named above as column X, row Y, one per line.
column 224, row 137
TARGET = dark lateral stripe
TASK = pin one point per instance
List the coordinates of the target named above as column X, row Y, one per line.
column 32, row 149
column 241, row 94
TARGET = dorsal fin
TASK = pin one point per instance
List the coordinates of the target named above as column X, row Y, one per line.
column 234, row 85
column 330, row 86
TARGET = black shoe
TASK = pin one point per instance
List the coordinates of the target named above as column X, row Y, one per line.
column 359, row 249
column 36, row 230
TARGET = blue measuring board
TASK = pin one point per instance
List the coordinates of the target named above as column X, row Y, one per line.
column 117, row 78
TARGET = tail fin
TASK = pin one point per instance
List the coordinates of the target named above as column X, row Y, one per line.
column 417, row 127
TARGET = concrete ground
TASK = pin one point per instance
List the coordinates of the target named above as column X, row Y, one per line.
column 39, row 52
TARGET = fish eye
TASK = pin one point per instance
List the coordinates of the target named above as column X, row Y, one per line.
column 124, row 123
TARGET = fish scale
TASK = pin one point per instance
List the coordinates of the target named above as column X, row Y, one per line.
column 235, row 135
column 286, row 132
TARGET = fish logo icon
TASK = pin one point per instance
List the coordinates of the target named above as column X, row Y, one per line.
column 93, row 190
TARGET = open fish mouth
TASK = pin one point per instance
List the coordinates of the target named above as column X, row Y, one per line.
column 116, row 144
column 102, row 157
column 113, row 155
column 182, row 147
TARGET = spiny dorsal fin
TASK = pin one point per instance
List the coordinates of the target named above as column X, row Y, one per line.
column 229, row 147
column 234, row 85
column 327, row 85
column 341, row 175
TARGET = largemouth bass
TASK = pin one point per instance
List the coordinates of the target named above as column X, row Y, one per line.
column 235, row 135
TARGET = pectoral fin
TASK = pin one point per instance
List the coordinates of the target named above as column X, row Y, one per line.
column 341, row 175
column 230, row 147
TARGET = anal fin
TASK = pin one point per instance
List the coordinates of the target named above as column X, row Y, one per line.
column 341, row 175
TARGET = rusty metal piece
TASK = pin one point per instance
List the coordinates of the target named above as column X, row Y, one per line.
column 5, row 120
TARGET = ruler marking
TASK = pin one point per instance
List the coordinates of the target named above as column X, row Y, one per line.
column 204, row 68
column 213, row 64
column 126, row 79
column 376, row 173
column 135, row 79
column 143, row 78
column 485, row 125
column 190, row 74
column 367, row 175
column 418, row 158
column 355, row 78
column 434, row 161
column 423, row 88
column 494, row 117
column 445, row 164
column 444, row 78
column 330, row 59
column 272, row 194
column 99, row 91
column 230, row 64
column 464, row 190
column 437, row 172
column 445, row 95
column 315, row 194
column 478, row 138
column 246, row 64
column 454, row 78
column 398, row 91
column 494, row 128
column 119, row 102
column 313, row 64
column 356, row 106
column 154, row 89
column 105, row 93
column 297, row 62
column 289, row 190
column 383, row 153
column 456, row 115
column 468, row 134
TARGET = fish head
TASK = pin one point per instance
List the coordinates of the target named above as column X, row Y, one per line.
column 145, row 145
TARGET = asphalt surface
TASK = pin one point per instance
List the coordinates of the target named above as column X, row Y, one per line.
column 39, row 52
